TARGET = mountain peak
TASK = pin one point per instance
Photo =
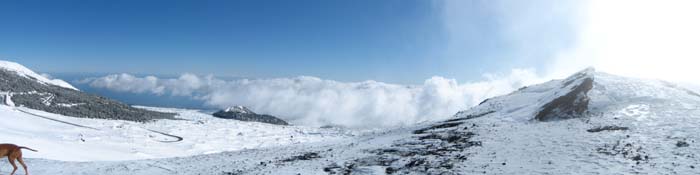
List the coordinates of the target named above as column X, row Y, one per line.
column 583, row 93
column 553, row 100
column 244, row 114
column 239, row 109
column 26, row 72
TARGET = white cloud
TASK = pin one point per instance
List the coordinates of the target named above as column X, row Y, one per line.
column 128, row 83
column 512, row 33
column 639, row 38
column 312, row 101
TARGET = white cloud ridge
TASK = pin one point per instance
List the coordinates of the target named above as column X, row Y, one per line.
column 307, row 100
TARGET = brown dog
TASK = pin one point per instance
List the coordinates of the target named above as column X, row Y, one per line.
column 14, row 152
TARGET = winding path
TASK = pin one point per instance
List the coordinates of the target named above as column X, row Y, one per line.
column 56, row 120
column 177, row 138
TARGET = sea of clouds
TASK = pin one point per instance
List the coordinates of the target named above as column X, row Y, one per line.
column 307, row 100
column 634, row 43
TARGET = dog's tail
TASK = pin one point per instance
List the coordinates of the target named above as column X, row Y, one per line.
column 22, row 147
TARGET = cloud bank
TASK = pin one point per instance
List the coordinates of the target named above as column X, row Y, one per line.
column 649, row 39
column 313, row 101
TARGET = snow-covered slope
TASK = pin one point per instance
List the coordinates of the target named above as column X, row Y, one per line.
column 595, row 123
column 242, row 113
column 20, row 86
column 631, row 126
column 239, row 109
column 24, row 71
column 78, row 139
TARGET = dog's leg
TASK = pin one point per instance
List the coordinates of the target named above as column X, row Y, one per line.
column 14, row 166
column 21, row 162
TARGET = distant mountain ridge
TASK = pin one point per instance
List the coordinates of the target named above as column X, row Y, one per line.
column 28, row 73
column 22, row 87
column 244, row 114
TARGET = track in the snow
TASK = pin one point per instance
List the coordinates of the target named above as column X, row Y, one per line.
column 177, row 138
column 56, row 120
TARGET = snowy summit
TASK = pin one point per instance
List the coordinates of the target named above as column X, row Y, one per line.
column 239, row 109
column 24, row 71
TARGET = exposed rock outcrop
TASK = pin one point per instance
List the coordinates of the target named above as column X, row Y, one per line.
column 571, row 104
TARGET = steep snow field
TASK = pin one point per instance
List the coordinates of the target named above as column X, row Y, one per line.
column 76, row 139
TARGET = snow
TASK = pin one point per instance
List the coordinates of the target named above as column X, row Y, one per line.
column 24, row 71
column 521, row 105
column 658, row 116
column 239, row 109
column 112, row 140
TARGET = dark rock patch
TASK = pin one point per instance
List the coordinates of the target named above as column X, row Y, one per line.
column 440, row 126
column 682, row 143
column 439, row 152
column 571, row 105
column 249, row 116
column 626, row 150
column 236, row 172
column 486, row 100
column 608, row 128
column 305, row 156
column 473, row 116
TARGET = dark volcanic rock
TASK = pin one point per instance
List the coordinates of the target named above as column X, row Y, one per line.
column 305, row 156
column 608, row 128
column 468, row 116
column 436, row 149
column 28, row 92
column 572, row 104
column 244, row 114
column 626, row 149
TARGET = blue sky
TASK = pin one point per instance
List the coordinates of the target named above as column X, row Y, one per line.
column 398, row 41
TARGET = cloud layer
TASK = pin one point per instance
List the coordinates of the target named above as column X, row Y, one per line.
column 313, row 101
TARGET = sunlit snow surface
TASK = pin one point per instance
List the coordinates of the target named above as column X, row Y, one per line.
column 658, row 116
column 124, row 140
